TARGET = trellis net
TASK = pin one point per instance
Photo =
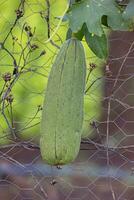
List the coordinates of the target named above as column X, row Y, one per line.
column 104, row 168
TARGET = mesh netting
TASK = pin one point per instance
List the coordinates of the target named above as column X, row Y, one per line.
column 104, row 168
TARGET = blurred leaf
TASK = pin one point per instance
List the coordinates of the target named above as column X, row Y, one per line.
column 80, row 34
column 98, row 44
column 91, row 12
column 128, row 14
column 129, row 11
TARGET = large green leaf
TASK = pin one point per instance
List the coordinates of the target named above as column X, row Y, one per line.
column 91, row 13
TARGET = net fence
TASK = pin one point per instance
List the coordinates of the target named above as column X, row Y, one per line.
column 104, row 168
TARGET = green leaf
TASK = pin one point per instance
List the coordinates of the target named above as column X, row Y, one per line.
column 79, row 35
column 98, row 44
column 128, row 13
column 91, row 13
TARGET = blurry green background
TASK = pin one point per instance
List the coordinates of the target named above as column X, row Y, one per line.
column 28, row 91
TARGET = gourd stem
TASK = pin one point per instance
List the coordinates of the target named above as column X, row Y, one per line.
column 74, row 35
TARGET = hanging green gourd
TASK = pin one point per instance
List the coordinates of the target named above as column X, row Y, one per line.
column 62, row 115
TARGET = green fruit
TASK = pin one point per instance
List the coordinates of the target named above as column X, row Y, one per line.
column 62, row 115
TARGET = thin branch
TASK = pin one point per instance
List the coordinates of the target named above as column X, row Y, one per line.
column 93, row 83
column 19, row 14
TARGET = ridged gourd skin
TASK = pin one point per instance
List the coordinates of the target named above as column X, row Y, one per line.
column 62, row 115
